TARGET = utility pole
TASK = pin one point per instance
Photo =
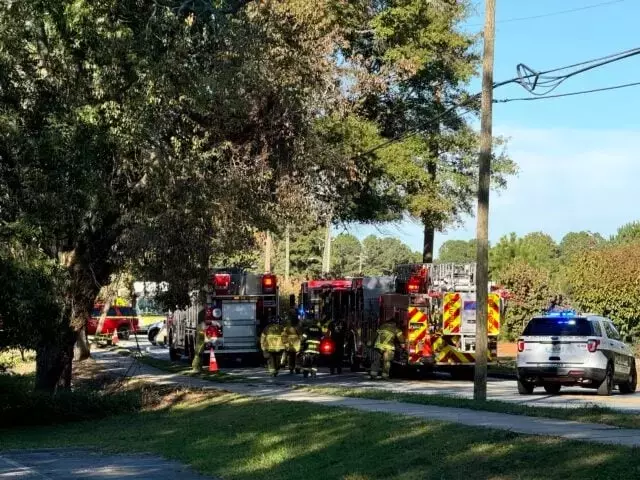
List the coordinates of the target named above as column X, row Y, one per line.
column 286, row 254
column 267, row 253
column 326, row 258
column 484, row 181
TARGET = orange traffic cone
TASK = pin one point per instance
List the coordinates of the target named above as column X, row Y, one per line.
column 213, row 363
column 114, row 338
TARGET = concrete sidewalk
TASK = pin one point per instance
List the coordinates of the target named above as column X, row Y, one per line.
column 587, row 432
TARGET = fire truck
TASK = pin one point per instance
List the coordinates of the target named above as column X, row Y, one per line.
column 331, row 299
column 436, row 304
column 234, row 307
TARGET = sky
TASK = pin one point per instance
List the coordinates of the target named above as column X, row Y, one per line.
column 578, row 157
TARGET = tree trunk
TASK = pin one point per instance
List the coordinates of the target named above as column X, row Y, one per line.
column 49, row 366
column 429, row 229
column 427, row 248
column 83, row 348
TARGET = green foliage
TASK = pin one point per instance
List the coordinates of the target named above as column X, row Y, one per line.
column 605, row 281
column 21, row 406
column 346, row 255
column 537, row 249
column 459, row 251
column 575, row 243
column 629, row 233
column 413, row 61
column 383, row 254
column 531, row 290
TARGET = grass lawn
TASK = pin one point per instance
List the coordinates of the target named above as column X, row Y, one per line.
column 593, row 414
column 234, row 437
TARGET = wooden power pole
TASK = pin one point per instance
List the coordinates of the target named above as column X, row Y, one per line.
column 286, row 254
column 267, row 253
column 326, row 257
column 484, row 183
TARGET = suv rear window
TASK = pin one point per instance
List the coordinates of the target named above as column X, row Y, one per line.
column 558, row 327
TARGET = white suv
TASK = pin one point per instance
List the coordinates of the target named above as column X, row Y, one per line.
column 565, row 348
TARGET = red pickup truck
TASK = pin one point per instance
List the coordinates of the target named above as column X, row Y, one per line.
column 123, row 320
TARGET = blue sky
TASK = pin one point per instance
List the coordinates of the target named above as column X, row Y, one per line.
column 578, row 156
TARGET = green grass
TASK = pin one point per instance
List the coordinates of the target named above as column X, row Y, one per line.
column 238, row 438
column 591, row 414
column 185, row 369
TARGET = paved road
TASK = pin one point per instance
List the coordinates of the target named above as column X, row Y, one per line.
column 75, row 464
column 594, row 433
column 497, row 389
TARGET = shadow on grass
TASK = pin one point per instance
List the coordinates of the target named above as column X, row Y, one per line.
column 240, row 438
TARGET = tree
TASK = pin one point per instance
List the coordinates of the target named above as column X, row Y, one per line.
column 539, row 250
column 459, row 251
column 530, row 289
column 413, row 63
column 605, row 281
column 628, row 233
column 383, row 254
column 346, row 252
column 503, row 253
column 574, row 243
column 185, row 132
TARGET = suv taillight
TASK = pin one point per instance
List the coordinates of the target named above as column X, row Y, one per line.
column 521, row 345
column 592, row 345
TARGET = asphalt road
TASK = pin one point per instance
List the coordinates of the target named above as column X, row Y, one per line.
column 497, row 389
column 78, row 464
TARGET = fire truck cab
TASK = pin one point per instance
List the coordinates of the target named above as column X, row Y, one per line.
column 437, row 307
column 327, row 300
column 236, row 306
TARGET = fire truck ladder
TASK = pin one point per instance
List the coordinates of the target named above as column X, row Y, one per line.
column 456, row 277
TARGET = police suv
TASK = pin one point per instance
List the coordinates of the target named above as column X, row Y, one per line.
column 566, row 348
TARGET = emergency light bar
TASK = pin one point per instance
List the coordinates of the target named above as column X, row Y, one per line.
column 345, row 284
column 561, row 313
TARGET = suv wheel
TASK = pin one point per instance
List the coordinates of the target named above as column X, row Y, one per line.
column 524, row 387
column 552, row 388
column 151, row 335
column 630, row 385
column 606, row 386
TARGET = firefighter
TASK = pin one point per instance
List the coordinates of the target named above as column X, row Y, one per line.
column 388, row 336
column 272, row 345
column 310, row 348
column 337, row 331
column 292, row 338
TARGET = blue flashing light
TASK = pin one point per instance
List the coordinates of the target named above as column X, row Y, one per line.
column 561, row 313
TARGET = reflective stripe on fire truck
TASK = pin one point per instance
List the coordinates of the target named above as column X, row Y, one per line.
column 447, row 352
column 417, row 335
column 493, row 327
column 451, row 318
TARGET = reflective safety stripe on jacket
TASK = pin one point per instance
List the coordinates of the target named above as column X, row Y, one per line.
column 388, row 335
column 271, row 338
column 312, row 346
column 292, row 338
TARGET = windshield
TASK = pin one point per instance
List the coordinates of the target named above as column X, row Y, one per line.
column 559, row 327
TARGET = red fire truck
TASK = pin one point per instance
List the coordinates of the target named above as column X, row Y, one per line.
column 332, row 299
column 437, row 307
column 235, row 307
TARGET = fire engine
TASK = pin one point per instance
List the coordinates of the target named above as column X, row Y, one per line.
column 235, row 307
column 436, row 304
column 331, row 299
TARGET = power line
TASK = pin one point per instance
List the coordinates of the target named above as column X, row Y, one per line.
column 520, row 79
column 569, row 94
column 553, row 14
